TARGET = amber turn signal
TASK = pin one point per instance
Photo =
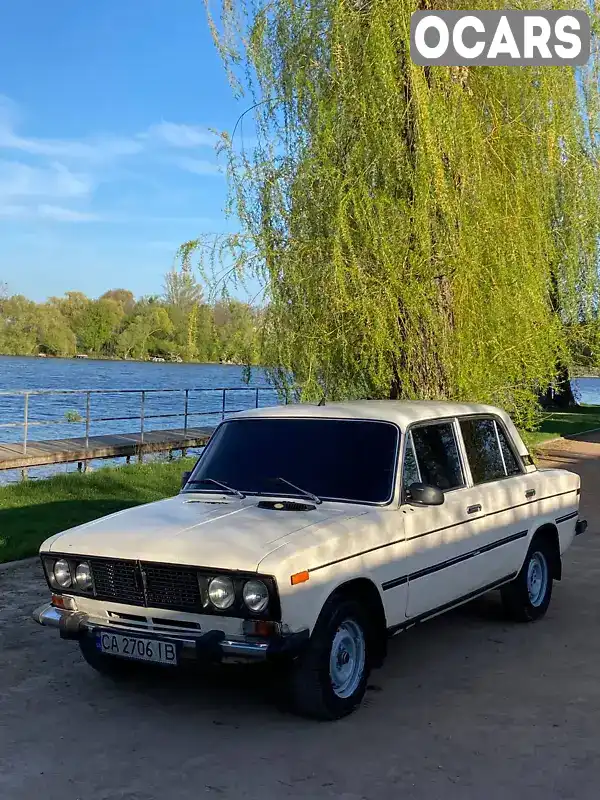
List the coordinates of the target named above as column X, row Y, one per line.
column 300, row 577
column 68, row 603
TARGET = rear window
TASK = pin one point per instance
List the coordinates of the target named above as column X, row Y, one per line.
column 349, row 460
column 488, row 451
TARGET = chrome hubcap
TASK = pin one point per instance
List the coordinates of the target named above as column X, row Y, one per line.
column 537, row 579
column 347, row 659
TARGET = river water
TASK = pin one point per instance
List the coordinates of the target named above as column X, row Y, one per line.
column 63, row 415
column 55, row 416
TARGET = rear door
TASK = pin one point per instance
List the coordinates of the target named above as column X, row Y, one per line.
column 505, row 494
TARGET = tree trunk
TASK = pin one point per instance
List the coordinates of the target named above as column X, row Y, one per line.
column 561, row 394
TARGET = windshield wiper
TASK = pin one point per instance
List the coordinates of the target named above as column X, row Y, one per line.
column 227, row 488
column 314, row 497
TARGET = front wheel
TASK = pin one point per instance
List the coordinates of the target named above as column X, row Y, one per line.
column 329, row 680
column 527, row 597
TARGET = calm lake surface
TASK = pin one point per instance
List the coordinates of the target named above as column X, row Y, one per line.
column 49, row 415
column 204, row 408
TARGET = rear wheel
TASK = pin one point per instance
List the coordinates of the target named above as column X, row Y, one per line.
column 328, row 681
column 527, row 597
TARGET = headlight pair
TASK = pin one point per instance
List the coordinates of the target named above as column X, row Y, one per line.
column 221, row 593
column 66, row 577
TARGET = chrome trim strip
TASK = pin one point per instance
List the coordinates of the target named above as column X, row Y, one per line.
column 567, row 517
column 412, row 621
column 248, row 649
column 452, row 561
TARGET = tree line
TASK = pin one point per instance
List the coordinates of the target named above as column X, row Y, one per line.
column 178, row 324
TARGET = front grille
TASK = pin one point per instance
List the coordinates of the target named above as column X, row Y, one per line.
column 169, row 586
column 172, row 587
column 120, row 581
column 165, row 586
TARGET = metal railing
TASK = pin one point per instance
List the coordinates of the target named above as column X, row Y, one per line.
column 142, row 417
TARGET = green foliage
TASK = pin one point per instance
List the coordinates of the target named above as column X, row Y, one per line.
column 420, row 232
column 178, row 326
column 17, row 326
column 97, row 326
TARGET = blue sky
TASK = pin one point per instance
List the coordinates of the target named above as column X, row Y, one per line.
column 107, row 162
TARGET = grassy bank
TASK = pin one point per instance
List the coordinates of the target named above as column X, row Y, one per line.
column 33, row 510
column 564, row 423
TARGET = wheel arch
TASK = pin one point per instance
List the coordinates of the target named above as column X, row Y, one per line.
column 365, row 591
column 549, row 533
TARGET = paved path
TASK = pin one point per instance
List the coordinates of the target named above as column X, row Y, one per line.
column 467, row 707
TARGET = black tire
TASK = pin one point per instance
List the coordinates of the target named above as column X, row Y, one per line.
column 109, row 666
column 516, row 597
column 310, row 688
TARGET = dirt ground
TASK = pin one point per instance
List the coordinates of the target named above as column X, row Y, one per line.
column 467, row 707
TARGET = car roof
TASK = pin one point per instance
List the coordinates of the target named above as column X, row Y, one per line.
column 402, row 413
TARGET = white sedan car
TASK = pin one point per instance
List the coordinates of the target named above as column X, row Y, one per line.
column 308, row 535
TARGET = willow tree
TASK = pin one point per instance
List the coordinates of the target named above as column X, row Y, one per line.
column 419, row 232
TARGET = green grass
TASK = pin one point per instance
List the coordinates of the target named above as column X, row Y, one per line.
column 30, row 511
column 563, row 423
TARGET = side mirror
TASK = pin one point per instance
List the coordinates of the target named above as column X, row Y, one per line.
column 185, row 478
column 420, row 494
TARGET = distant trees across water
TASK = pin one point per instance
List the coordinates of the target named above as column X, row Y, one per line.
column 177, row 325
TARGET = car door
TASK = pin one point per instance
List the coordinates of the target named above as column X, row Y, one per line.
column 505, row 494
column 438, row 539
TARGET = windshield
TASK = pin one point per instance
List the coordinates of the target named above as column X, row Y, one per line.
column 348, row 460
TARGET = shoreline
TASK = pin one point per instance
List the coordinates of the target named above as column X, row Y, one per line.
column 34, row 356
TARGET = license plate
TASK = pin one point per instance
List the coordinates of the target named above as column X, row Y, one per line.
column 135, row 647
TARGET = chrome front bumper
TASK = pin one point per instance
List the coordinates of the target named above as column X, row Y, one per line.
column 210, row 646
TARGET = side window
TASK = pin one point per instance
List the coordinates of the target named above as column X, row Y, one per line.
column 510, row 460
column 410, row 468
column 488, row 451
column 437, row 456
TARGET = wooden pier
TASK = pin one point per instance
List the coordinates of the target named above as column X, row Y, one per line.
column 121, row 445
column 189, row 406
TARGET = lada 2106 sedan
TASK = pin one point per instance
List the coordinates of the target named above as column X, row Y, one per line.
column 308, row 535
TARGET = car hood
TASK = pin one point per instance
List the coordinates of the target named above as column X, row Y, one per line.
column 189, row 529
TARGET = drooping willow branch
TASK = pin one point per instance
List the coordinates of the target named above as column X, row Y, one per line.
column 419, row 232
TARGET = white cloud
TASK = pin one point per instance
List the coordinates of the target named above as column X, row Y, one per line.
column 97, row 149
column 45, row 178
column 178, row 135
column 45, row 211
column 19, row 180
column 60, row 214
column 198, row 166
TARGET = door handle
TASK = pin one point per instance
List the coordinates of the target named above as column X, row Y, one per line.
column 530, row 493
column 473, row 509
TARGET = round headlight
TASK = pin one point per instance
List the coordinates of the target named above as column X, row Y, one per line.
column 221, row 593
column 256, row 596
column 83, row 576
column 62, row 573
